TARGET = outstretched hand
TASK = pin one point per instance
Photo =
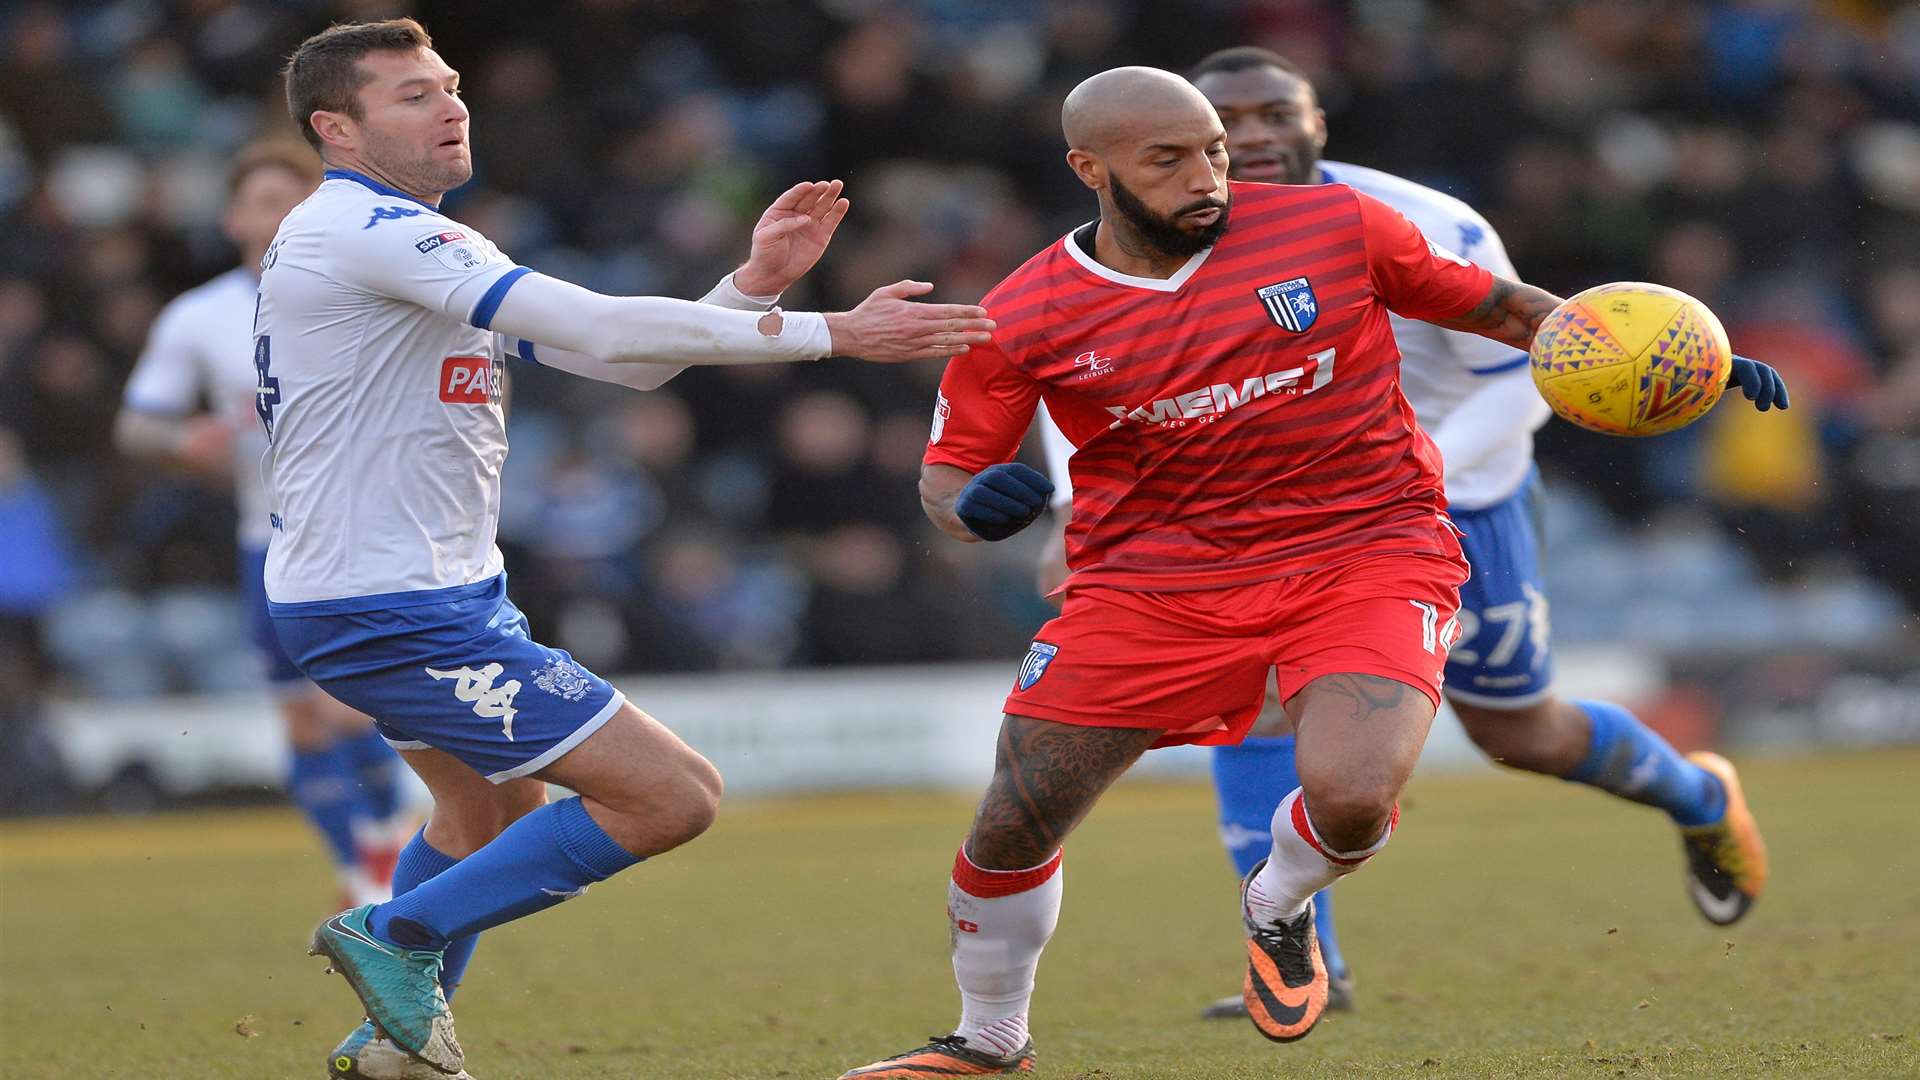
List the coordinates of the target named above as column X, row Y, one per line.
column 888, row 328
column 791, row 236
column 1760, row 382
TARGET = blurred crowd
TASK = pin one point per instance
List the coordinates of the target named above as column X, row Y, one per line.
column 1761, row 155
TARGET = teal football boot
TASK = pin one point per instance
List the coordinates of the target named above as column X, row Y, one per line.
column 400, row 988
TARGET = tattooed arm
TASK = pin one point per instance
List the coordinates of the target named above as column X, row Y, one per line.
column 1510, row 313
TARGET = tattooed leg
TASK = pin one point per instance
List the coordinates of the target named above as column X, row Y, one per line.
column 1046, row 776
column 1359, row 737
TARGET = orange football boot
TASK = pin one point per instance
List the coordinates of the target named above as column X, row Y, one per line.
column 1285, row 990
column 1727, row 860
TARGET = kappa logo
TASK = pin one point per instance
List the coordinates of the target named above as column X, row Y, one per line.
column 476, row 688
column 389, row 213
column 1035, row 665
column 1095, row 365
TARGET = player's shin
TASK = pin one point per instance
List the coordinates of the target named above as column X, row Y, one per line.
column 549, row 855
column 420, row 862
column 1628, row 759
column 1000, row 921
column 1250, row 780
column 1302, row 864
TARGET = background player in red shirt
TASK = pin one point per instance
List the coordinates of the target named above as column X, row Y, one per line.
column 1251, row 493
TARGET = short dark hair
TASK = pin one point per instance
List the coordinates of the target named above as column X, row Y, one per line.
column 278, row 152
column 324, row 73
column 1245, row 58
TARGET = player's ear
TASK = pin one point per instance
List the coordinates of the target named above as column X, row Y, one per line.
column 1091, row 170
column 334, row 129
column 1320, row 129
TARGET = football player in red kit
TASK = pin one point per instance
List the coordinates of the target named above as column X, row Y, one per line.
column 1251, row 492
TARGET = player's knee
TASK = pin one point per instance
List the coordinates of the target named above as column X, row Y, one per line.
column 684, row 807
column 703, row 798
column 1351, row 815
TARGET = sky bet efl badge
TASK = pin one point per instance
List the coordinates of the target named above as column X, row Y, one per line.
column 1290, row 304
column 1035, row 665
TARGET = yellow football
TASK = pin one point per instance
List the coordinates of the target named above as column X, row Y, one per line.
column 1631, row 358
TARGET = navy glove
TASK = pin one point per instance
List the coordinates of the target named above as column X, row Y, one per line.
column 1002, row 500
column 1762, row 385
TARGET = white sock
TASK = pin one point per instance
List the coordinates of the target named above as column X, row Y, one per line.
column 1300, row 863
column 1001, row 920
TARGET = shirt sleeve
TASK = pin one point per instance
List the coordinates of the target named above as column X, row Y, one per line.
column 984, row 407
column 1416, row 277
column 1477, row 353
column 166, row 378
column 431, row 261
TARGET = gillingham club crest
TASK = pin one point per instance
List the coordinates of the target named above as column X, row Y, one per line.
column 1290, row 304
column 1035, row 665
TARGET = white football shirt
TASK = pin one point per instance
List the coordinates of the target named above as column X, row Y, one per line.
column 1438, row 368
column 379, row 385
column 201, row 348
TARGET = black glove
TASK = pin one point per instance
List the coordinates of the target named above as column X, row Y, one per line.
column 1002, row 500
column 1762, row 385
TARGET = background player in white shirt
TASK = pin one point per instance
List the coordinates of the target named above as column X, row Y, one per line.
column 380, row 339
column 189, row 403
column 1475, row 398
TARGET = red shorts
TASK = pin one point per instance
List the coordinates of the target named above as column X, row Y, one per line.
column 1195, row 663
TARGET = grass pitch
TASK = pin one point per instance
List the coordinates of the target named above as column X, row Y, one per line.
column 1515, row 928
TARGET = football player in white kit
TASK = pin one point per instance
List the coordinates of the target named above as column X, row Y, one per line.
column 342, row 775
column 1475, row 398
column 380, row 338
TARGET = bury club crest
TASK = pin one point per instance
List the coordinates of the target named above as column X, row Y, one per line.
column 1035, row 665
column 1290, row 304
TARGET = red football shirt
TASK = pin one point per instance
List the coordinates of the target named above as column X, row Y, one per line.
column 1239, row 421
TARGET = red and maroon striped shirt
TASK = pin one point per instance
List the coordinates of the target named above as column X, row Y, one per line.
column 1239, row 421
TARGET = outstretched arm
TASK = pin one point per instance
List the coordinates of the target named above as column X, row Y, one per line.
column 1513, row 312
column 1510, row 313
column 638, row 376
column 885, row 328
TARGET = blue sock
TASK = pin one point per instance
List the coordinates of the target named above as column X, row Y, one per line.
column 548, row 856
column 321, row 785
column 377, row 768
column 420, row 861
column 1251, row 779
column 1626, row 758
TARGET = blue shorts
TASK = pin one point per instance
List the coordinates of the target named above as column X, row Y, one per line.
column 456, row 670
column 1504, row 658
column 282, row 672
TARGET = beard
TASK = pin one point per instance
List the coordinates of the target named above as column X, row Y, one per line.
column 1164, row 234
column 417, row 173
